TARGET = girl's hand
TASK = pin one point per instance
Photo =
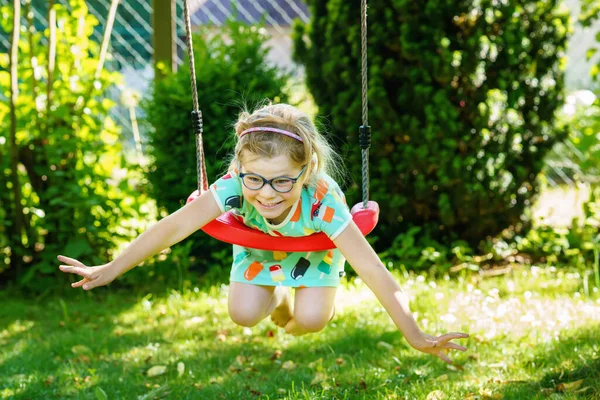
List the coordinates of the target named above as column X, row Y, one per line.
column 92, row 276
column 439, row 345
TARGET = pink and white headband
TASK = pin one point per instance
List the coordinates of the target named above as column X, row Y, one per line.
column 268, row 129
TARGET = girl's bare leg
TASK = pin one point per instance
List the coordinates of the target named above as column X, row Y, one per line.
column 313, row 309
column 250, row 304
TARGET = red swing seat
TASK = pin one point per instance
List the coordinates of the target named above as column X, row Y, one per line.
column 229, row 229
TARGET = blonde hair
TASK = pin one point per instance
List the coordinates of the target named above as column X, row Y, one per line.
column 314, row 147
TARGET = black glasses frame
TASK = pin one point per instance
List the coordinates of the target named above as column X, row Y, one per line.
column 270, row 181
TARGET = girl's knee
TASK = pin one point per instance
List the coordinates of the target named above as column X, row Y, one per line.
column 248, row 304
column 244, row 317
column 312, row 321
column 244, row 320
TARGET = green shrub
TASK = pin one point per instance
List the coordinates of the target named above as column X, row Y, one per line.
column 462, row 98
column 576, row 245
column 231, row 71
column 578, row 157
column 78, row 194
column 590, row 13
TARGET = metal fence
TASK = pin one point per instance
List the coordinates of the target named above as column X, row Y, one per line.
column 131, row 40
column 132, row 51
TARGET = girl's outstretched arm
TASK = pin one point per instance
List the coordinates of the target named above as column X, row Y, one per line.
column 163, row 234
column 368, row 266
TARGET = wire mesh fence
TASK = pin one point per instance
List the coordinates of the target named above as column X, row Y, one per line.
column 132, row 53
column 131, row 43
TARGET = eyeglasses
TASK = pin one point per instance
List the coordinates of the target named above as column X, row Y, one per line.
column 281, row 184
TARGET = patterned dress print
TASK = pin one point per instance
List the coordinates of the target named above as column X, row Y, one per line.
column 319, row 209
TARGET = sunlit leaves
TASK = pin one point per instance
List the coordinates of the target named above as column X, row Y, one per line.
column 68, row 145
column 461, row 100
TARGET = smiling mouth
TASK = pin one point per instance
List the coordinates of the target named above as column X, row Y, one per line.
column 269, row 205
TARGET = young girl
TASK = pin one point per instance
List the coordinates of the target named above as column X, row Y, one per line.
column 278, row 182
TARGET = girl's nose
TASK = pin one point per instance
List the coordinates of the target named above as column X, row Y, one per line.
column 268, row 192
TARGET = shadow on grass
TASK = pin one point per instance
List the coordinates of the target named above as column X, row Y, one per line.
column 46, row 358
column 50, row 341
column 563, row 366
column 354, row 358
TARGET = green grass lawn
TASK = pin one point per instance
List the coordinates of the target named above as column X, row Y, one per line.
column 535, row 333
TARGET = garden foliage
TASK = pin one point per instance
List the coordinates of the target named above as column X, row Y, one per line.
column 578, row 157
column 78, row 195
column 462, row 99
column 231, row 73
column 590, row 13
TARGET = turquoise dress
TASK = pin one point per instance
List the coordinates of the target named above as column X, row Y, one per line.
column 319, row 209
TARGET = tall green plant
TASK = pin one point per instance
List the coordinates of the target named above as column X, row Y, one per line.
column 462, row 100
column 590, row 13
column 579, row 156
column 76, row 187
column 583, row 118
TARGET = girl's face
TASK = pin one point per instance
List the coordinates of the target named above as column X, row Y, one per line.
column 271, row 204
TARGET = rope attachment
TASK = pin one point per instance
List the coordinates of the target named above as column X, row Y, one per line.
column 364, row 137
column 365, row 129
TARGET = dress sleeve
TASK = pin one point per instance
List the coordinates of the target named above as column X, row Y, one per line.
column 330, row 213
column 227, row 191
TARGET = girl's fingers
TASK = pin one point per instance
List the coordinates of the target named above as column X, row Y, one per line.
column 70, row 269
column 84, row 272
column 444, row 357
column 93, row 282
column 455, row 346
column 85, row 284
column 79, row 283
column 70, row 261
column 89, row 274
column 451, row 336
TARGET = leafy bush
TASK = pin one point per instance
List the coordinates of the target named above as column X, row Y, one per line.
column 575, row 246
column 79, row 196
column 590, row 13
column 231, row 70
column 578, row 157
column 462, row 100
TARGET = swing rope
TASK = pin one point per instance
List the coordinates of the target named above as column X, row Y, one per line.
column 196, row 113
column 228, row 228
column 365, row 129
